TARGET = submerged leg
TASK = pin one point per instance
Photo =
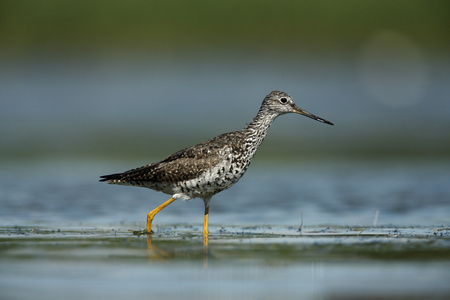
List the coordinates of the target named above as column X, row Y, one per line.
column 153, row 213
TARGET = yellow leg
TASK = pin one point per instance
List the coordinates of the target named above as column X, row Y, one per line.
column 153, row 213
column 205, row 226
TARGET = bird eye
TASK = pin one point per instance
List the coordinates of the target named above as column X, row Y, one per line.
column 283, row 100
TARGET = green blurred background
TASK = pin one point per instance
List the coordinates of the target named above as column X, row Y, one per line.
column 174, row 26
column 140, row 79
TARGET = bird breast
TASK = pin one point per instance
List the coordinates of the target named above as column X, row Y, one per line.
column 224, row 174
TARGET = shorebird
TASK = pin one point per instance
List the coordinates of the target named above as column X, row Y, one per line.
column 203, row 170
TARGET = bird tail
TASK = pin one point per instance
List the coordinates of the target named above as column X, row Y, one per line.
column 116, row 176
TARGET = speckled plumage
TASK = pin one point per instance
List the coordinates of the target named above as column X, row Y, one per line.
column 208, row 168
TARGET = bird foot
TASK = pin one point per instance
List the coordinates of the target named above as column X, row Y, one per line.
column 142, row 232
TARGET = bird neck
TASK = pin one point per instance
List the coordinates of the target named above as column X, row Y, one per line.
column 256, row 131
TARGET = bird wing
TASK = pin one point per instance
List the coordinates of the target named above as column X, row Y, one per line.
column 173, row 169
column 183, row 165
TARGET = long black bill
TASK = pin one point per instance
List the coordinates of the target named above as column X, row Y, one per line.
column 310, row 115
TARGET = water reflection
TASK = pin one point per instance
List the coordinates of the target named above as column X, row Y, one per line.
column 154, row 252
column 166, row 250
column 252, row 262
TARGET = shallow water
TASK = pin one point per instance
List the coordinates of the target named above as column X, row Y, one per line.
column 304, row 230
column 245, row 263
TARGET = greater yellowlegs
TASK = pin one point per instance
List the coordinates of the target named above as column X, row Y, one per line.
column 208, row 168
